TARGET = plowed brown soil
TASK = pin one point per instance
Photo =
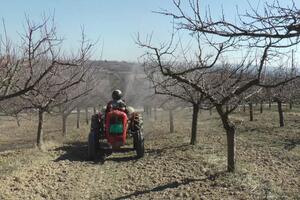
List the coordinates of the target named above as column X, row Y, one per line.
column 268, row 164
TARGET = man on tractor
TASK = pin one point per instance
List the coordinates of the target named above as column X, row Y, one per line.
column 116, row 103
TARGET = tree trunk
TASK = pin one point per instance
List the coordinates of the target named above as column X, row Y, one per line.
column 86, row 115
column 230, row 133
column 18, row 120
column 244, row 107
column 78, row 118
column 261, row 106
column 155, row 113
column 270, row 104
column 281, row 121
column 291, row 105
column 146, row 110
column 39, row 140
column 64, row 124
column 150, row 111
column 171, row 118
column 251, row 111
column 95, row 110
column 194, row 124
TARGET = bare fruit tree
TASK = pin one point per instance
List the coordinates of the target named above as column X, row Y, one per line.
column 20, row 69
column 258, row 36
column 40, row 76
column 79, row 95
column 284, row 93
column 171, row 87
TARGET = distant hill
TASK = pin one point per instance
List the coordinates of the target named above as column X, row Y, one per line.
column 120, row 66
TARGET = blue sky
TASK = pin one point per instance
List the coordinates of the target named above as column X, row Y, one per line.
column 113, row 22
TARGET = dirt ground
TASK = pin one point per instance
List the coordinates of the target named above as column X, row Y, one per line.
column 268, row 161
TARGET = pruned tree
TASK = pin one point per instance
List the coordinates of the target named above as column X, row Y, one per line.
column 257, row 35
column 171, row 87
column 56, row 74
column 292, row 88
column 170, row 104
column 284, row 93
column 79, row 95
column 20, row 64
column 255, row 97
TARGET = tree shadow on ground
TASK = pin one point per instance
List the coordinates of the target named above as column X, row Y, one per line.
column 171, row 185
column 291, row 143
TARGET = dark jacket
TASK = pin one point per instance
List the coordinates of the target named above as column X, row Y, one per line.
column 116, row 105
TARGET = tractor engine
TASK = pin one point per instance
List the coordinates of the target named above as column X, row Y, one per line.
column 116, row 128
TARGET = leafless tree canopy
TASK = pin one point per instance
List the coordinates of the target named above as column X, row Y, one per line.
column 24, row 66
column 274, row 21
column 262, row 37
column 258, row 35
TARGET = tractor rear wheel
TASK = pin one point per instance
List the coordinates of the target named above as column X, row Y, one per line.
column 139, row 144
column 93, row 144
column 137, row 133
column 93, row 139
column 95, row 123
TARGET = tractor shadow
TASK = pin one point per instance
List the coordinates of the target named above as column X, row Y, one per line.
column 78, row 151
column 123, row 158
column 75, row 151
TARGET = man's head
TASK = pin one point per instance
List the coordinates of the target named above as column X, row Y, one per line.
column 116, row 95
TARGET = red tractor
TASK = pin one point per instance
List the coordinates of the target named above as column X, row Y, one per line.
column 110, row 132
